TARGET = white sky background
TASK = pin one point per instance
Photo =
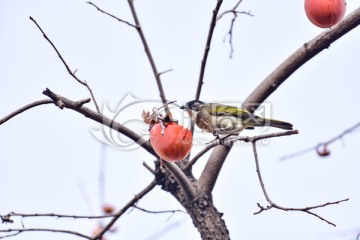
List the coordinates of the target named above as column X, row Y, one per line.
column 50, row 160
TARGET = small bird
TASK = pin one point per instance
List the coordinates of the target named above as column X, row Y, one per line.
column 223, row 119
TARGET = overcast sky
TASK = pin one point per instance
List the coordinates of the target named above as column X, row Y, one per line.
column 50, row 159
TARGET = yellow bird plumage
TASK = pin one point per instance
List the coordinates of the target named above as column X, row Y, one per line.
column 224, row 119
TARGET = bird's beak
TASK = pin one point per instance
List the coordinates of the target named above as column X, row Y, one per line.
column 182, row 107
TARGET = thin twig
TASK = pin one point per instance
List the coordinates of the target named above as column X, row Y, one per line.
column 274, row 205
column 137, row 26
column 111, row 123
column 21, row 230
column 323, row 145
column 166, row 71
column 10, row 235
column 111, row 15
column 72, row 73
column 259, row 173
column 131, row 203
column 24, row 108
column 149, row 55
column 158, row 212
column 199, row 155
column 230, row 32
column 207, row 49
column 148, row 168
column 229, row 11
column 276, row 78
column 26, row 215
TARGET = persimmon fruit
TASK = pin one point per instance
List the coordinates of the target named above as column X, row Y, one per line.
column 325, row 13
column 174, row 144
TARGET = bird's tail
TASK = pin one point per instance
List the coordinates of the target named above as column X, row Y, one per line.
column 279, row 124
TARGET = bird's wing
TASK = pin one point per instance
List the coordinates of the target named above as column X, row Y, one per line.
column 225, row 110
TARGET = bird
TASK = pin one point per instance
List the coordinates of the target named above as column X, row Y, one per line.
column 218, row 118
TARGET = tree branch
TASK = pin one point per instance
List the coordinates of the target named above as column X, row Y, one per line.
column 24, row 108
column 137, row 26
column 322, row 148
column 277, row 77
column 199, row 155
column 131, row 203
column 158, row 212
column 175, row 170
column 72, row 73
column 301, row 56
column 97, row 117
column 26, row 215
column 230, row 32
column 207, row 49
column 274, row 205
column 111, row 15
column 21, row 230
column 149, row 55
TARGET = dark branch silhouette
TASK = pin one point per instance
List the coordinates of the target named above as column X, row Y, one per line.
column 130, row 204
column 274, row 205
column 24, row 108
column 111, row 15
column 27, row 215
column 63, row 102
column 72, row 73
column 322, row 148
column 230, row 32
column 137, row 26
column 207, row 49
column 273, row 81
column 22, row 230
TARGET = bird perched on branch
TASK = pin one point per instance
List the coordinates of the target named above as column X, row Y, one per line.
column 223, row 119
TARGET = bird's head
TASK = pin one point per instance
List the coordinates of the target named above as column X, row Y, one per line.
column 194, row 105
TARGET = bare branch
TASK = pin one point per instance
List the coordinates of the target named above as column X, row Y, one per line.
column 301, row 56
column 173, row 168
column 199, row 155
column 279, row 75
column 111, row 15
column 26, row 215
column 322, row 148
column 146, row 46
column 10, row 235
column 21, row 230
column 72, row 73
column 24, row 108
column 233, row 11
column 212, row 168
column 87, row 112
column 259, row 174
column 166, row 71
column 131, row 203
column 207, row 49
column 274, row 205
column 148, row 168
column 148, row 53
column 158, row 212
column 230, row 32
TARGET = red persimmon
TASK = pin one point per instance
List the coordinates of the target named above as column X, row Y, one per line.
column 325, row 13
column 174, row 144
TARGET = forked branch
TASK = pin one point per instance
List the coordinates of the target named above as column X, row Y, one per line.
column 25, row 108
column 72, row 73
column 207, row 48
column 274, row 205
column 322, row 148
column 137, row 26
column 279, row 75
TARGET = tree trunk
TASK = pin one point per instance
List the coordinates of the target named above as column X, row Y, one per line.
column 206, row 218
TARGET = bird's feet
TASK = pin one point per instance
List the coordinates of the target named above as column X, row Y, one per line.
column 221, row 139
